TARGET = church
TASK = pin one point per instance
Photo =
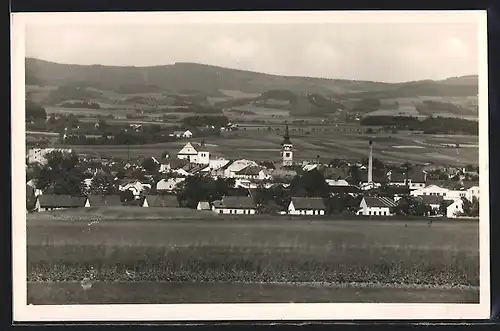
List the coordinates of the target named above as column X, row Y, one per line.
column 287, row 149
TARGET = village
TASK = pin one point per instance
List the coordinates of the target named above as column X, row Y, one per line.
column 250, row 187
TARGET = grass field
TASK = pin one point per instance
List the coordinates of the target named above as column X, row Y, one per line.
column 253, row 250
column 265, row 145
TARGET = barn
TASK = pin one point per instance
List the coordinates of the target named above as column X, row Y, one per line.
column 234, row 205
column 306, row 206
column 169, row 201
column 376, row 206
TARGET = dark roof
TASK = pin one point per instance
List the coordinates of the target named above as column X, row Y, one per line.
column 344, row 189
column 162, row 201
column 377, row 178
column 308, row 203
column 467, row 184
column 448, row 202
column 104, row 200
column 417, row 177
column 59, row 200
column 249, row 170
column 379, row 202
column 396, row 190
column 235, row 203
column 431, row 199
column 397, row 177
column 238, row 192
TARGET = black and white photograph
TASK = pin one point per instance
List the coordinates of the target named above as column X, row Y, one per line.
column 250, row 165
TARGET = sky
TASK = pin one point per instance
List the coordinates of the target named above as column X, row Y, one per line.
column 387, row 52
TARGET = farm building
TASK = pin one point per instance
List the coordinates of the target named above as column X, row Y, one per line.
column 188, row 152
column 203, row 205
column 169, row 184
column 104, row 200
column 306, row 206
column 376, row 206
column 47, row 202
column 234, row 205
column 169, row 201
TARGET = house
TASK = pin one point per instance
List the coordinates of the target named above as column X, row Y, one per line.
column 456, row 194
column 416, row 180
column 104, row 200
column 46, row 202
column 181, row 134
column 169, row 184
column 234, row 205
column 236, row 166
column 397, row 179
column 188, row 152
column 203, row 205
column 433, row 201
column 251, row 172
column 472, row 192
column 306, row 206
column 133, row 185
column 430, row 190
column 454, row 208
column 168, row 201
column 376, row 206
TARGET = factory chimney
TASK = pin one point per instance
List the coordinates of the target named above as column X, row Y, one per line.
column 370, row 164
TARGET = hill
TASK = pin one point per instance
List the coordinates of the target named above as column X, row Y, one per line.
column 182, row 84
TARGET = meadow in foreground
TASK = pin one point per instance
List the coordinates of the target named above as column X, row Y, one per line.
column 246, row 250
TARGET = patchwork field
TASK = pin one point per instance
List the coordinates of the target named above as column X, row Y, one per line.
column 251, row 260
column 265, row 145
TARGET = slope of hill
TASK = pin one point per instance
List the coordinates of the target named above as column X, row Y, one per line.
column 209, row 80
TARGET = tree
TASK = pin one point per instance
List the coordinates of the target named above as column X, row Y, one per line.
column 103, row 184
column 127, row 196
column 62, row 172
column 310, row 184
column 412, row 206
column 150, row 165
column 470, row 208
column 34, row 112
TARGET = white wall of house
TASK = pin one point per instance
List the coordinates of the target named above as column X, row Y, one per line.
column 430, row 190
column 340, row 182
column 293, row 211
column 454, row 208
column 473, row 192
column 203, row 158
column 455, row 194
column 168, row 184
column 415, row 186
column 373, row 211
column 233, row 211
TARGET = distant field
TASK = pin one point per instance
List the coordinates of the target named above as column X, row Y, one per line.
column 267, row 111
column 235, row 94
column 263, row 145
column 400, row 254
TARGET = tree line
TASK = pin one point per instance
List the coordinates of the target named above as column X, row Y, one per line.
column 429, row 125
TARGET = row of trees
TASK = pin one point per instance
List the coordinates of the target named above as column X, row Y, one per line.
column 430, row 125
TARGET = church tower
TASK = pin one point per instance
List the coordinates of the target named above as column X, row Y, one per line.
column 286, row 149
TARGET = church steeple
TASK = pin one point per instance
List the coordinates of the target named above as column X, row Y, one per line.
column 286, row 137
column 287, row 149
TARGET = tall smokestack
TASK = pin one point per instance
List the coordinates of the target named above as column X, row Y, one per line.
column 370, row 164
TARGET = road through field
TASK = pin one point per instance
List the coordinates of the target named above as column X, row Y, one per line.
column 176, row 293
